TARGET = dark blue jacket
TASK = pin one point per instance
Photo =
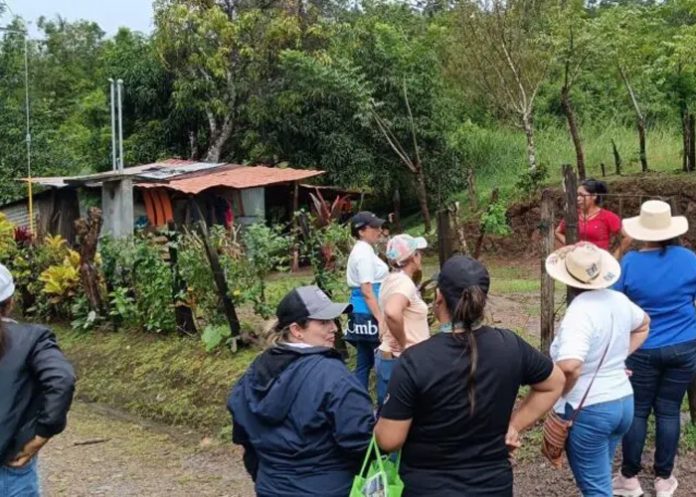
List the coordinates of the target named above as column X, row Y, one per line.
column 304, row 421
column 36, row 387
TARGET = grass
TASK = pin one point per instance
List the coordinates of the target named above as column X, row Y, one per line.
column 498, row 157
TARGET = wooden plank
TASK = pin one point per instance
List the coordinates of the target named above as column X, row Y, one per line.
column 546, row 227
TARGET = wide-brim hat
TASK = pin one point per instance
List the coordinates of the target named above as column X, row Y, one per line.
column 655, row 223
column 584, row 266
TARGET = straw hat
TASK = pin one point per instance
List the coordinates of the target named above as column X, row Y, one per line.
column 584, row 266
column 655, row 223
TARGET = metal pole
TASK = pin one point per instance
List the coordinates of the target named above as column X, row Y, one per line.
column 28, row 137
column 119, row 88
column 114, row 165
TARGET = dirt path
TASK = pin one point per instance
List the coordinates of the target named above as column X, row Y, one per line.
column 135, row 459
column 138, row 461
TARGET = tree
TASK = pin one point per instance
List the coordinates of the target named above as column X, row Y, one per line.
column 197, row 43
column 504, row 49
column 575, row 38
column 631, row 38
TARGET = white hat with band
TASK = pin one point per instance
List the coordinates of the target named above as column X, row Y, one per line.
column 584, row 266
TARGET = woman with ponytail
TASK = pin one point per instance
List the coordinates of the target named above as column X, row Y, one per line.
column 449, row 404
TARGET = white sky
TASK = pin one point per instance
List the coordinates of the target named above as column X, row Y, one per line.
column 109, row 14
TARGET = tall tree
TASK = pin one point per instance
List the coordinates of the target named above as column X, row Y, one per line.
column 504, row 48
column 575, row 37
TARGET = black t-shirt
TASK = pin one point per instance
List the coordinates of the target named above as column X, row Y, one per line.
column 447, row 449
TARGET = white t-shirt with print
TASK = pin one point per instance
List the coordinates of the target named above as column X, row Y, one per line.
column 364, row 266
column 594, row 319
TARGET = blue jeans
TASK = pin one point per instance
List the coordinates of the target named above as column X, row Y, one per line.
column 660, row 380
column 383, row 368
column 592, row 441
column 21, row 482
column 365, row 361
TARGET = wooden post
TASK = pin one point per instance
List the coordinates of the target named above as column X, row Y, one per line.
column 692, row 143
column 396, row 199
column 295, row 208
column 445, row 236
column 471, row 183
column 570, row 184
column 220, row 281
column 604, row 169
column 617, row 157
column 546, row 227
column 183, row 314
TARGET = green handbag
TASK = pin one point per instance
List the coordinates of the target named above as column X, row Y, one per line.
column 379, row 477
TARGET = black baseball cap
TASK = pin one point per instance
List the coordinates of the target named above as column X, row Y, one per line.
column 308, row 302
column 460, row 272
column 366, row 218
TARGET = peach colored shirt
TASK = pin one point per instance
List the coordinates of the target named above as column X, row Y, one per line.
column 415, row 315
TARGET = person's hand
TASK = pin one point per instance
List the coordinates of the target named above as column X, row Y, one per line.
column 512, row 439
column 629, row 372
column 32, row 447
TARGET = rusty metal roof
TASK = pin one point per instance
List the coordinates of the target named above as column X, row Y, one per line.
column 234, row 176
column 188, row 176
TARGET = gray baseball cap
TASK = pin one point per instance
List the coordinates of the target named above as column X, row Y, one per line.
column 308, row 302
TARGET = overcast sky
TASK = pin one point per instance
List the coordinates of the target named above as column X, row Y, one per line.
column 109, row 14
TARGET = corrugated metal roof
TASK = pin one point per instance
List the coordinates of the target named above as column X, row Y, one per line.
column 18, row 213
column 194, row 176
column 239, row 177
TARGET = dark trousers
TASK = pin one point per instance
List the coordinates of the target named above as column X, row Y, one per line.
column 660, row 380
column 365, row 361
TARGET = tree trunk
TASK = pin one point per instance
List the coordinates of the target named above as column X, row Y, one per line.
column 87, row 234
column 422, row 195
column 640, row 121
column 574, row 132
column 531, row 147
column 218, row 138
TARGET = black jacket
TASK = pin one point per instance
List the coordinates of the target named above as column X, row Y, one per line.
column 36, row 387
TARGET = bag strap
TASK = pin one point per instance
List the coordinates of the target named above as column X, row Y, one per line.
column 594, row 376
column 373, row 447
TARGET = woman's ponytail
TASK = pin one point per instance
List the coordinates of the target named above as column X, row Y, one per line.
column 467, row 313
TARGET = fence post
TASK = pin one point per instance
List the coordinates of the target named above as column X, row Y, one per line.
column 546, row 227
column 220, row 281
column 604, row 169
column 445, row 236
column 182, row 312
column 570, row 185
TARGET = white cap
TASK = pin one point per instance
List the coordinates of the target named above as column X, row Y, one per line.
column 7, row 287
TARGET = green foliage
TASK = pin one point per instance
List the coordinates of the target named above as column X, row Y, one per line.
column 267, row 249
column 140, row 284
column 213, row 336
column 494, row 220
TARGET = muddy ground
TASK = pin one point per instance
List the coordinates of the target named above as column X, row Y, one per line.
column 105, row 453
